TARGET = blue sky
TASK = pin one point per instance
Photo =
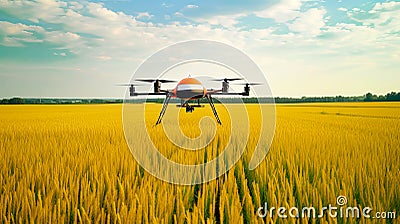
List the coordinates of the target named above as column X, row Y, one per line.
column 305, row 47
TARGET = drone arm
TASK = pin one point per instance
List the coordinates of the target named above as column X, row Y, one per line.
column 213, row 91
column 163, row 93
column 227, row 94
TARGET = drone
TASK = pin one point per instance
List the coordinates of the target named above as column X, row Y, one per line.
column 189, row 89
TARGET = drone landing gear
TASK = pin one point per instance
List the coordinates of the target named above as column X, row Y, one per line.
column 189, row 108
column 213, row 109
column 164, row 108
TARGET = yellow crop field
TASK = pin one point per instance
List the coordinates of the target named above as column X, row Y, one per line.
column 71, row 163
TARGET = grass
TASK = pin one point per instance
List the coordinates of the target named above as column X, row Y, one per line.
column 70, row 163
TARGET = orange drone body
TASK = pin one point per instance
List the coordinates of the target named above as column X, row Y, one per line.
column 189, row 89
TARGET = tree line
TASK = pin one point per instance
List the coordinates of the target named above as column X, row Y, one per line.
column 393, row 96
column 369, row 97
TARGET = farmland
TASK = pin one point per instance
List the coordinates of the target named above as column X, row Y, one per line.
column 71, row 163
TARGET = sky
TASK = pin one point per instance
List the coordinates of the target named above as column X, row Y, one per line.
column 304, row 47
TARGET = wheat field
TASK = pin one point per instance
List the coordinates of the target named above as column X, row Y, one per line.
column 71, row 163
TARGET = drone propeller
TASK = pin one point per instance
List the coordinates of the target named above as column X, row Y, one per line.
column 155, row 80
column 227, row 79
column 249, row 84
column 129, row 84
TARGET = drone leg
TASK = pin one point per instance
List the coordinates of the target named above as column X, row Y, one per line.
column 164, row 108
column 213, row 109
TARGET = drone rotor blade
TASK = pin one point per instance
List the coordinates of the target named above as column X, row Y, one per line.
column 155, row 80
column 128, row 84
column 227, row 79
column 250, row 84
column 145, row 80
column 166, row 81
column 234, row 79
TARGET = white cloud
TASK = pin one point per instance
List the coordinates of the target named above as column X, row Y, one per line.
column 34, row 10
column 310, row 22
column 111, row 29
column 144, row 15
column 165, row 5
column 18, row 34
column 342, row 9
column 102, row 13
column 226, row 21
column 375, row 39
column 387, row 6
column 192, row 6
column 65, row 37
column 282, row 12
column 178, row 14
column 384, row 17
